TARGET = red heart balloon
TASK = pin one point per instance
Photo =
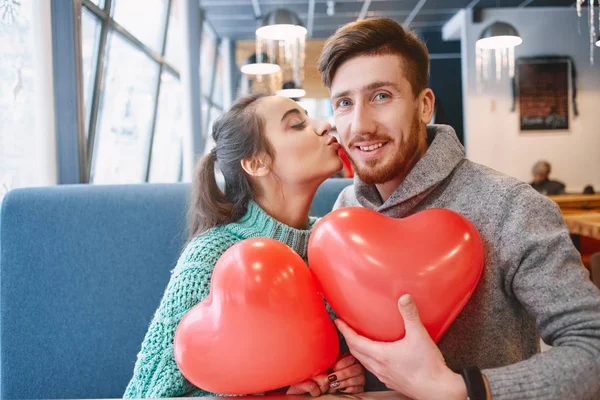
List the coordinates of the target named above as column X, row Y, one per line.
column 365, row 261
column 262, row 327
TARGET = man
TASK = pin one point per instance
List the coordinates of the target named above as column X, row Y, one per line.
column 541, row 181
column 533, row 279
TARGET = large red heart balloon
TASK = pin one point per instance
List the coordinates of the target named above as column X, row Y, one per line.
column 365, row 261
column 263, row 325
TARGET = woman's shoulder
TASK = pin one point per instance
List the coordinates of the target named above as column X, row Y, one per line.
column 208, row 247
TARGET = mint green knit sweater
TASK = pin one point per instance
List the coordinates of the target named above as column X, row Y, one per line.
column 155, row 373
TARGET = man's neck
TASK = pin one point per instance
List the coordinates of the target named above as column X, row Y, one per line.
column 386, row 189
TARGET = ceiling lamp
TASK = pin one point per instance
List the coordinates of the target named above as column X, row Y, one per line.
column 281, row 24
column 496, row 51
column 260, row 69
column 260, row 76
column 598, row 42
column 291, row 93
column 282, row 41
column 499, row 35
column 290, row 90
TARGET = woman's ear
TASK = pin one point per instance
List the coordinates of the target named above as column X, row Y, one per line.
column 256, row 166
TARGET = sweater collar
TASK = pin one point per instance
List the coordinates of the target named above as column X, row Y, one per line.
column 257, row 223
column 444, row 154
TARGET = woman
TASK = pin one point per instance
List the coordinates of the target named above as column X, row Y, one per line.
column 273, row 158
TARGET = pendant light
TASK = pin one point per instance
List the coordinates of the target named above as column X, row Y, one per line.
column 282, row 39
column 499, row 35
column 281, row 24
column 495, row 50
column 260, row 76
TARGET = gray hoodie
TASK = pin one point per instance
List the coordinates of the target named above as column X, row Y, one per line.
column 533, row 280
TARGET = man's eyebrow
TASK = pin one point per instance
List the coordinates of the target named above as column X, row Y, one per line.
column 368, row 87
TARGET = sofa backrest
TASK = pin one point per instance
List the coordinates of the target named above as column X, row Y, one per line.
column 82, row 270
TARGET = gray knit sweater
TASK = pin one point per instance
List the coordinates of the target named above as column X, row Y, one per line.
column 533, row 281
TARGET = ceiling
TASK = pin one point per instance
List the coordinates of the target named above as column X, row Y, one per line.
column 238, row 19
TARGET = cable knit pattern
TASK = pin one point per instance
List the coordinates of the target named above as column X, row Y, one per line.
column 156, row 374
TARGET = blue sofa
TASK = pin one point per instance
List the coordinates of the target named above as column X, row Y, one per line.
column 82, row 270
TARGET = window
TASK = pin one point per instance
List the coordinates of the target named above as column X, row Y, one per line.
column 90, row 34
column 27, row 152
column 167, row 147
column 212, row 75
column 146, row 22
column 135, row 128
column 125, row 126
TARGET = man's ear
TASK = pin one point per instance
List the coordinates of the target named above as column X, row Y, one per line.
column 256, row 166
column 427, row 99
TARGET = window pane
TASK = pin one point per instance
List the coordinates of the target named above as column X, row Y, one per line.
column 125, row 116
column 26, row 150
column 16, row 94
column 166, row 148
column 144, row 20
column 99, row 3
column 218, row 91
column 207, row 56
column 210, row 143
column 174, row 53
column 90, row 38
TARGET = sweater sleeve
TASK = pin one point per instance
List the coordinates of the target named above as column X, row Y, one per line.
column 543, row 272
column 156, row 373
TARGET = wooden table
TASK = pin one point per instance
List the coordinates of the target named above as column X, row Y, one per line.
column 340, row 396
column 584, row 224
column 581, row 213
column 569, row 203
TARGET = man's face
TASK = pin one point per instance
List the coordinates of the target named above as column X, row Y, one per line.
column 380, row 122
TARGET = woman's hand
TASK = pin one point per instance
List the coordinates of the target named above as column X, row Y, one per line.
column 347, row 376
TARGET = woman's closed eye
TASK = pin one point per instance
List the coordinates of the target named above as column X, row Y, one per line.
column 300, row 125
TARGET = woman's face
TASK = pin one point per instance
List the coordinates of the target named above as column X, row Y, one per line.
column 304, row 150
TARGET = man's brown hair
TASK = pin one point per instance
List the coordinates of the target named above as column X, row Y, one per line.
column 376, row 36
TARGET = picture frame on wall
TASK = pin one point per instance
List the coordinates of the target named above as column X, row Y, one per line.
column 542, row 85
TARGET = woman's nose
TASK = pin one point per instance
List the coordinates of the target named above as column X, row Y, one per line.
column 321, row 127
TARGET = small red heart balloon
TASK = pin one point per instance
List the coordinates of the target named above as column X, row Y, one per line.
column 262, row 327
column 365, row 261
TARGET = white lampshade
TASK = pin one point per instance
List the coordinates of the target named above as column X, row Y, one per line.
column 291, row 93
column 499, row 35
column 260, row 69
column 281, row 24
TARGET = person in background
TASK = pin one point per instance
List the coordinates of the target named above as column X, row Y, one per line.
column 541, row 180
column 273, row 157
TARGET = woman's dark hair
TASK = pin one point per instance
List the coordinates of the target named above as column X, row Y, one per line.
column 238, row 135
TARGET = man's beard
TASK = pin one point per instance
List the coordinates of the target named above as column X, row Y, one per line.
column 374, row 172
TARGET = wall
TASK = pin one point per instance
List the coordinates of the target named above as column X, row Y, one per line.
column 492, row 134
column 445, row 79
